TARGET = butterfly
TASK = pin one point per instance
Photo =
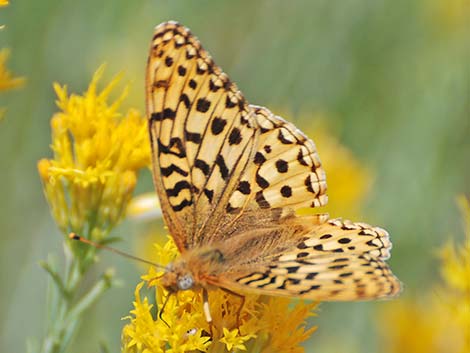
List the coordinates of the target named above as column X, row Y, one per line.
column 230, row 177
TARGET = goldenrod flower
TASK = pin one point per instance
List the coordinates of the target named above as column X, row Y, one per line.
column 438, row 321
column 97, row 154
column 265, row 324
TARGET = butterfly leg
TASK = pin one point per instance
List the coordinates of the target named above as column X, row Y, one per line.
column 160, row 315
column 206, row 308
column 242, row 304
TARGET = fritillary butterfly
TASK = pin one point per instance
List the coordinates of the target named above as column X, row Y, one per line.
column 230, row 176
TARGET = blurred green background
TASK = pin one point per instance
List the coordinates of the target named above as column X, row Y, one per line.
column 391, row 78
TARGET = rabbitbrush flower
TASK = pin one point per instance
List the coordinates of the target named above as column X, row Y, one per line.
column 97, row 153
column 265, row 324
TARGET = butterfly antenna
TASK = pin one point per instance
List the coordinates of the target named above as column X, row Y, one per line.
column 75, row 236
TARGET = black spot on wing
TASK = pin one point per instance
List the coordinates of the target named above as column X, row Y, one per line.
column 180, row 185
column 282, row 166
column 167, row 113
column 167, row 171
column 193, row 137
column 261, row 201
column 218, row 125
column 192, row 84
column 203, row 166
column 209, row 194
column 300, row 158
column 220, row 161
column 185, row 99
column 259, row 158
column 235, row 136
column 168, row 61
column 175, row 147
column 182, row 205
column 244, row 187
column 282, row 138
column 262, row 183
column 271, row 281
column 181, row 70
column 229, row 103
column 203, row 105
column 286, row 191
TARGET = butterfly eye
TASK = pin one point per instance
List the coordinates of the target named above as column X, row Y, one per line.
column 185, row 282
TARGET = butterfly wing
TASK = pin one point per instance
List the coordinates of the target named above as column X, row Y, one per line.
column 336, row 260
column 211, row 149
column 285, row 172
column 200, row 128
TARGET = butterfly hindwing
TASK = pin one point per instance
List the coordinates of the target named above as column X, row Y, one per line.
column 335, row 277
column 333, row 260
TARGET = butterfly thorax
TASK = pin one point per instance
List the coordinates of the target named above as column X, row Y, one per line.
column 193, row 269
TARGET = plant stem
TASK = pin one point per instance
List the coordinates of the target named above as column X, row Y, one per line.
column 69, row 307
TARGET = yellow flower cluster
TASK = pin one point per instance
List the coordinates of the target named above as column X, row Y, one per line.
column 265, row 324
column 97, row 154
column 439, row 321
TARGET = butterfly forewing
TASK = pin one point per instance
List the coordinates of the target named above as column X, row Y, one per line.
column 213, row 153
column 230, row 176
column 201, row 132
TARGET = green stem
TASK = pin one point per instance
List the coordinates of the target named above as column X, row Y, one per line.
column 70, row 308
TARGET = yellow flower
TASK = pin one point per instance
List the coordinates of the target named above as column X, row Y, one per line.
column 233, row 340
column 97, row 154
column 440, row 320
column 3, row 3
column 7, row 81
column 265, row 324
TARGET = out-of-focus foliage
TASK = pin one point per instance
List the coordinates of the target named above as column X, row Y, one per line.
column 391, row 78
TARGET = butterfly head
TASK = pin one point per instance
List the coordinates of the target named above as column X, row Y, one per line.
column 177, row 277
